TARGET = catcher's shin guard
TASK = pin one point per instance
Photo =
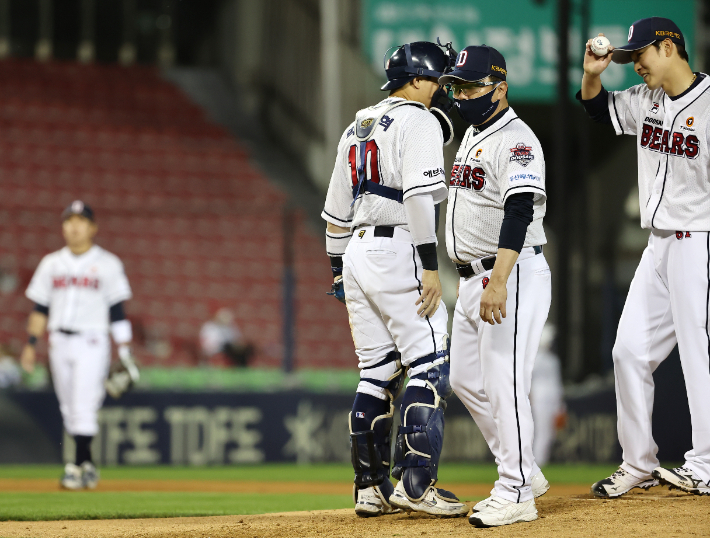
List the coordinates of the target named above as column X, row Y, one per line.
column 421, row 435
column 370, row 449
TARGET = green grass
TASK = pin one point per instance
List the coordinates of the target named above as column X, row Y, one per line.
column 108, row 505
column 124, row 505
column 448, row 472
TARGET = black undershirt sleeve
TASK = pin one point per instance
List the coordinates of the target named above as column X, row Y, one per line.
column 117, row 313
column 597, row 107
column 518, row 214
column 41, row 309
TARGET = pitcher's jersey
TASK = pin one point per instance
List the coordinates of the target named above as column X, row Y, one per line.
column 405, row 152
column 506, row 158
column 79, row 290
column 672, row 136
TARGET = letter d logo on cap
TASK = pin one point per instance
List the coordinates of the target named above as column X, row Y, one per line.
column 462, row 58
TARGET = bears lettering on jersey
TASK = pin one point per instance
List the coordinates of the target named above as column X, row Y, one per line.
column 467, row 177
column 675, row 143
column 77, row 282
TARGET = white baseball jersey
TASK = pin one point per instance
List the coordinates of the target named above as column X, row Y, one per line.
column 403, row 153
column 79, row 290
column 672, row 135
column 504, row 159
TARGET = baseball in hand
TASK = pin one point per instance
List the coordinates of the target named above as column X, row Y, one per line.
column 600, row 46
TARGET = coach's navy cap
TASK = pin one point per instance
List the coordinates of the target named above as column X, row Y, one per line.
column 475, row 63
column 644, row 32
column 77, row 207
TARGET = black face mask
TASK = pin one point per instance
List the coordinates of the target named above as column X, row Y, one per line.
column 477, row 111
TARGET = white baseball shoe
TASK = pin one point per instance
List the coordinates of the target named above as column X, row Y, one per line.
column 436, row 502
column 500, row 511
column 370, row 502
column 619, row 483
column 71, row 479
column 681, row 478
column 89, row 475
column 539, row 485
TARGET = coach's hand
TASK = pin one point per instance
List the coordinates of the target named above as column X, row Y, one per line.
column 28, row 358
column 431, row 294
column 493, row 302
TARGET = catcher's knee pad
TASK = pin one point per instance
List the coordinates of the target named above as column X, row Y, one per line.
column 370, row 450
column 421, row 436
column 386, row 378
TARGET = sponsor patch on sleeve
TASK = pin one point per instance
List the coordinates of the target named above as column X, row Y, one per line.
column 524, row 177
column 521, row 154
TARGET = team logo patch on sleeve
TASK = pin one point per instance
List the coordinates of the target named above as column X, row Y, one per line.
column 521, row 154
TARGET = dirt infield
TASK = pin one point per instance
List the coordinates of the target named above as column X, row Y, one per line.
column 655, row 513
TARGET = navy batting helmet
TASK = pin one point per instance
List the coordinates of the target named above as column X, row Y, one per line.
column 418, row 59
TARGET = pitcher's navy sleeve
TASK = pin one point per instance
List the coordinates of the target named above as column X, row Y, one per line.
column 597, row 107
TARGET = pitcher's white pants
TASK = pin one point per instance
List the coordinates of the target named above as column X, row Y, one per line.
column 491, row 368
column 382, row 281
column 79, row 365
column 667, row 303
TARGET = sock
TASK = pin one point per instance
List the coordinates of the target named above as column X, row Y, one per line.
column 83, row 448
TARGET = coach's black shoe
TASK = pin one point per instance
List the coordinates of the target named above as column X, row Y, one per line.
column 681, row 478
column 619, row 483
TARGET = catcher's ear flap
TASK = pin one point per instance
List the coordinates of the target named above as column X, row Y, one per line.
column 447, row 128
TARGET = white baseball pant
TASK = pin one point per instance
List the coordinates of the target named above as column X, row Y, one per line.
column 79, row 365
column 491, row 368
column 667, row 304
column 382, row 282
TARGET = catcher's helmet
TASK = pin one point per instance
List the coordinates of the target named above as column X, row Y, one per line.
column 418, row 59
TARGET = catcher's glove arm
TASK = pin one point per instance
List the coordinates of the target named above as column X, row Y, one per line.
column 337, row 290
column 123, row 374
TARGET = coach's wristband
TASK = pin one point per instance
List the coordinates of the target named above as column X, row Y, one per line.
column 427, row 253
column 32, row 340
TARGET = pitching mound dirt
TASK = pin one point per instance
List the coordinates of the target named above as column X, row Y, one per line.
column 655, row 513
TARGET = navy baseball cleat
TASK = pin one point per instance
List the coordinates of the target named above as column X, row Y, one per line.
column 620, row 482
column 681, row 478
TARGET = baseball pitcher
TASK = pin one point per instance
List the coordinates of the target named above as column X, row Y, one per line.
column 668, row 301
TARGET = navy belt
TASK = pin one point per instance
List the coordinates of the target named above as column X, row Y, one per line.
column 466, row 270
column 67, row 331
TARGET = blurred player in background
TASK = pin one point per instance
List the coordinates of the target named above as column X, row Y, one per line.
column 79, row 293
column 222, row 335
column 547, row 397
